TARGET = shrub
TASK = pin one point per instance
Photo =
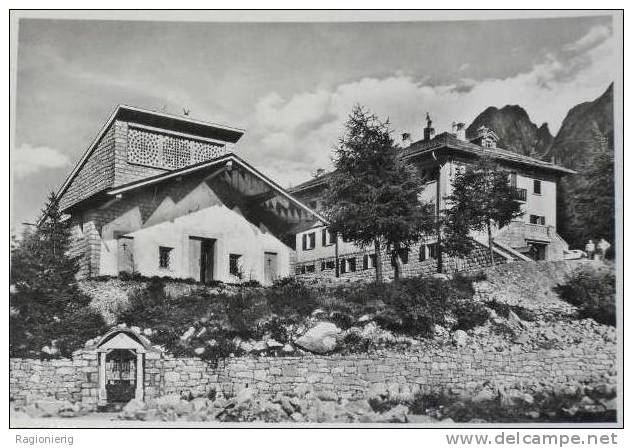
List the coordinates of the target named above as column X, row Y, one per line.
column 414, row 306
column 592, row 292
column 464, row 281
column 469, row 314
column 147, row 305
column 503, row 310
column 291, row 299
column 243, row 311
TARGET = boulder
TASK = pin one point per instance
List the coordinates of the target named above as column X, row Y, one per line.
column 259, row 346
column 484, row 395
column 415, row 418
column 288, row 348
column 327, row 395
column 396, row 414
column 521, row 339
column 199, row 351
column 271, row 343
column 320, row 339
column 459, row 338
column 245, row 395
column 44, row 408
column 134, row 410
column 610, row 405
column 188, row 334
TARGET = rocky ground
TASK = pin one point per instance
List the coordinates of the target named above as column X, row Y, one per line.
column 545, row 323
column 581, row 403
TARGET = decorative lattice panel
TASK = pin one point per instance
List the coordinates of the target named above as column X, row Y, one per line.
column 168, row 151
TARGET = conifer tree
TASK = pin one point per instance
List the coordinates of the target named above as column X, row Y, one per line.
column 373, row 196
column 481, row 198
column 46, row 303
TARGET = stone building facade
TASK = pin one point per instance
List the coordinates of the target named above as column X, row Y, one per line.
column 164, row 195
column 438, row 159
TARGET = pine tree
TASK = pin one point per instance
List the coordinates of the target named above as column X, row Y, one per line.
column 46, row 303
column 372, row 196
column 481, row 197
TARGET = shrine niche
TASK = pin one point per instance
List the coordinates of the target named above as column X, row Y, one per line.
column 121, row 359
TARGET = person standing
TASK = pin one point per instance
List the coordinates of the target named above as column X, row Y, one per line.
column 603, row 247
column 590, row 249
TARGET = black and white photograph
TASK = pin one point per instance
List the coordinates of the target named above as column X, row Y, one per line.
column 312, row 219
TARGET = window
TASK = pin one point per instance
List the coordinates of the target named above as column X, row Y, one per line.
column 299, row 270
column 308, row 241
column 329, row 264
column 234, row 265
column 351, row 264
column 404, row 256
column 343, row 267
column 323, row 265
column 433, row 250
column 310, row 268
column 327, row 238
column 536, row 219
column 422, row 256
column 537, row 187
column 513, row 180
column 369, row 261
column 164, row 257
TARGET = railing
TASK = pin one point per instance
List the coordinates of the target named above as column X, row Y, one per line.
column 519, row 194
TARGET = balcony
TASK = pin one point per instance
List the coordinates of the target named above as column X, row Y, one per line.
column 519, row 194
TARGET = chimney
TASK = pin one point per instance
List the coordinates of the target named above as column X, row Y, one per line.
column 459, row 130
column 406, row 139
column 429, row 132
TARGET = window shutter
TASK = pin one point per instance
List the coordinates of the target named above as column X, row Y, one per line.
column 324, row 237
column 304, row 243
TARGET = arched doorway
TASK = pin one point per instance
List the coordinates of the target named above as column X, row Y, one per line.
column 121, row 366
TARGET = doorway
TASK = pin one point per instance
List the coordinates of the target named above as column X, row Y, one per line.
column 270, row 267
column 120, row 376
column 201, row 258
column 538, row 251
column 125, row 254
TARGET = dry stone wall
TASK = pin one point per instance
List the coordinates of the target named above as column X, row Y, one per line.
column 463, row 369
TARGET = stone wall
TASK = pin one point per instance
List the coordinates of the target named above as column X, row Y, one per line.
column 431, row 369
column 478, row 259
column 75, row 379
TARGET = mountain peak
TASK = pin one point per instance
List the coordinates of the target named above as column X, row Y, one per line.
column 515, row 129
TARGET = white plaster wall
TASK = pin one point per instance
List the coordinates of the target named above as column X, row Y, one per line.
column 172, row 224
column 320, row 251
column 543, row 204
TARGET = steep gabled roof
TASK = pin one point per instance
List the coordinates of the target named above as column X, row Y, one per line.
column 215, row 163
column 159, row 120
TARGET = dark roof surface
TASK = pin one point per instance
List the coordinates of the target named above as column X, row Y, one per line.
column 448, row 141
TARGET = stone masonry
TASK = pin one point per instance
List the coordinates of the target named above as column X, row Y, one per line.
column 350, row 376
